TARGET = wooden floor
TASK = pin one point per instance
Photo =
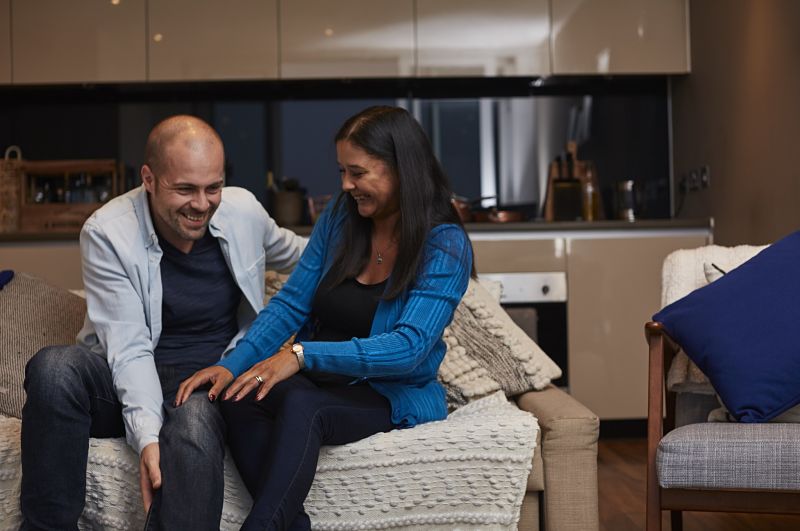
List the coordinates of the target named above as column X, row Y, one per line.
column 621, row 477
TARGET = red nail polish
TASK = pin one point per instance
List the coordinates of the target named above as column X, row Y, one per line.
column 211, row 398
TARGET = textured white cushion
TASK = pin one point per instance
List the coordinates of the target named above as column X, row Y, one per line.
column 469, row 470
column 487, row 352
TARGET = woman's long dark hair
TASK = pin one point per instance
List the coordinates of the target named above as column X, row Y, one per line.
column 393, row 136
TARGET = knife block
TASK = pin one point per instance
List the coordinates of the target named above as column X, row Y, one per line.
column 573, row 199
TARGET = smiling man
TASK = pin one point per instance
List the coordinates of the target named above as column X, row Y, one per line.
column 174, row 275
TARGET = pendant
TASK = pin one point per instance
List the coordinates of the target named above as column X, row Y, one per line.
column 379, row 259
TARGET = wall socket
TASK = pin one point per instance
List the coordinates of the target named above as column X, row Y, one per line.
column 705, row 176
column 696, row 179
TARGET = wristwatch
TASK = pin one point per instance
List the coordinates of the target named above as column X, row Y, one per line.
column 297, row 348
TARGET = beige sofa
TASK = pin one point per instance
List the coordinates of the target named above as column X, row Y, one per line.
column 561, row 491
column 562, row 488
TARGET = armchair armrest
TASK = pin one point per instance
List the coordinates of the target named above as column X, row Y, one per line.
column 662, row 350
column 569, row 432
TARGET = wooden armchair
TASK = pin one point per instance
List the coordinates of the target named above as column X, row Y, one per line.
column 736, row 491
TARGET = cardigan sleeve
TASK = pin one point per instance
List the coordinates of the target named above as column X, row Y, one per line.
column 289, row 308
column 427, row 309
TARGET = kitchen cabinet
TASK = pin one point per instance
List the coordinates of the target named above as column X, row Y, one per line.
column 518, row 255
column 78, row 42
column 620, row 36
column 614, row 288
column 212, row 40
column 479, row 38
column 5, row 41
column 348, row 38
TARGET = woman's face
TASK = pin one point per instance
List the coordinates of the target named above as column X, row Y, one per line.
column 368, row 180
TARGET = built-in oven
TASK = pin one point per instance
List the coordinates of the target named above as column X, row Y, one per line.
column 537, row 303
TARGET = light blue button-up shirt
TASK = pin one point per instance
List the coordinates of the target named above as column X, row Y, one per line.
column 122, row 278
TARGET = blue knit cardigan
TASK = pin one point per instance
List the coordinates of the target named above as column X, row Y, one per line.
column 401, row 358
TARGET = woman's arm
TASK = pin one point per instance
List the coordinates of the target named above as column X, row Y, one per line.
column 429, row 308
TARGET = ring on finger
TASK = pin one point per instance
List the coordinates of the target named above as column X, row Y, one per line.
column 259, row 379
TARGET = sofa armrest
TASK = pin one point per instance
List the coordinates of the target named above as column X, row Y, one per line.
column 569, row 452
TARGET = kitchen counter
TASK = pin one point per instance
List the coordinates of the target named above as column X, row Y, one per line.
column 557, row 226
column 472, row 228
column 596, row 227
column 38, row 236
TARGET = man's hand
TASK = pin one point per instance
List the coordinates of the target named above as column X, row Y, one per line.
column 219, row 376
column 149, row 473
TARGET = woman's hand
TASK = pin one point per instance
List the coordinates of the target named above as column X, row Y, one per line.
column 264, row 375
column 216, row 374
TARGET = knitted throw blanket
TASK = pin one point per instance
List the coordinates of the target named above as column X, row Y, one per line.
column 469, row 471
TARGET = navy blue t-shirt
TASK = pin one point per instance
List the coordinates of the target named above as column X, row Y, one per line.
column 198, row 313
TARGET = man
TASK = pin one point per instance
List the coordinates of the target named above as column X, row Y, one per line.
column 174, row 275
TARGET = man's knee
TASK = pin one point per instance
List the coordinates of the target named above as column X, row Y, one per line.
column 196, row 422
column 54, row 369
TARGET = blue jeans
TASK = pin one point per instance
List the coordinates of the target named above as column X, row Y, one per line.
column 70, row 397
column 276, row 442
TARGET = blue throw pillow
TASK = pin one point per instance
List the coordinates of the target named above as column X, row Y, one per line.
column 740, row 331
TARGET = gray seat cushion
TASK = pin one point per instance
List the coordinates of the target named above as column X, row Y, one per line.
column 730, row 456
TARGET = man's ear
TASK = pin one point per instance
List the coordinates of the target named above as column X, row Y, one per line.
column 148, row 179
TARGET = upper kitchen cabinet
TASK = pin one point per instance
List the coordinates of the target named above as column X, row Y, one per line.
column 479, row 38
column 620, row 36
column 212, row 40
column 78, row 42
column 5, row 41
column 347, row 38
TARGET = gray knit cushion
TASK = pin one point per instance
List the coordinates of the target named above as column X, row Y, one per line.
column 33, row 315
column 730, row 456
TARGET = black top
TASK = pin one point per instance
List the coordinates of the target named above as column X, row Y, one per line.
column 342, row 313
column 199, row 307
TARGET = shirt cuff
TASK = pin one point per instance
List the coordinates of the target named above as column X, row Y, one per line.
column 144, row 435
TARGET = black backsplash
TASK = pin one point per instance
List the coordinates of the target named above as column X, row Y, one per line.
column 629, row 137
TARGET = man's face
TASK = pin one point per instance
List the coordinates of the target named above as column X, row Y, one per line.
column 186, row 192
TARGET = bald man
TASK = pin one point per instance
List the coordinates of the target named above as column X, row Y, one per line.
column 174, row 275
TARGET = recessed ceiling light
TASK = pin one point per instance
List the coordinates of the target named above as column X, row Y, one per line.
column 158, row 37
column 328, row 32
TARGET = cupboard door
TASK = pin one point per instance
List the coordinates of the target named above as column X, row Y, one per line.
column 518, row 256
column 212, row 40
column 78, row 42
column 620, row 36
column 347, row 38
column 5, row 41
column 614, row 289
column 479, row 38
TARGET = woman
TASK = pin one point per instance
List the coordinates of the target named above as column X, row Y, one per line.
column 383, row 272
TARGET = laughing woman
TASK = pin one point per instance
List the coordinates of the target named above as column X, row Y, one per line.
column 385, row 268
